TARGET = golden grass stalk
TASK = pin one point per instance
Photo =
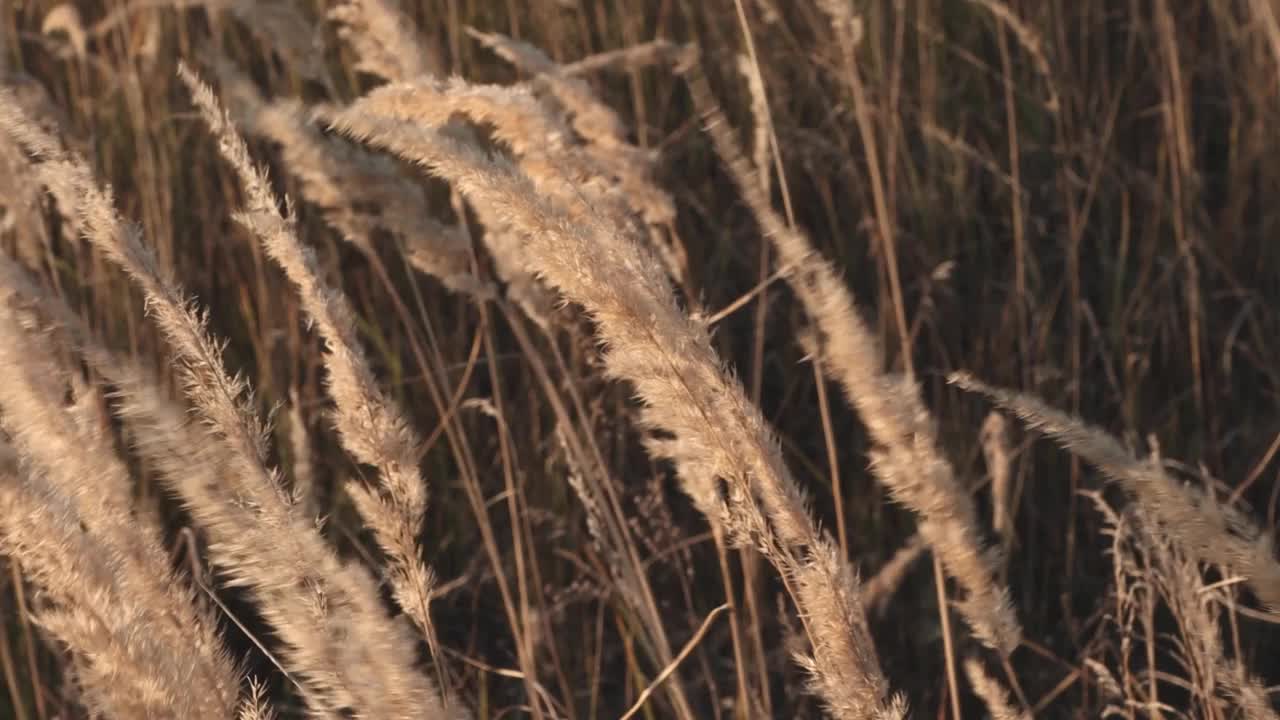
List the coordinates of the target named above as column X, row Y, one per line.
column 385, row 39
column 993, row 694
column 728, row 460
column 356, row 191
column 304, row 488
column 596, row 122
column 994, row 438
column 603, row 139
column 538, row 139
column 372, row 428
column 541, row 142
column 907, row 459
column 255, row 706
column 122, row 669
column 315, row 602
column 760, row 123
column 1152, row 567
column 345, row 180
column 631, row 58
column 139, row 638
column 879, row 590
column 1205, row 529
column 164, row 435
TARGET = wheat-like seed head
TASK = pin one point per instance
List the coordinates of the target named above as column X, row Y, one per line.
column 728, row 460
column 907, row 458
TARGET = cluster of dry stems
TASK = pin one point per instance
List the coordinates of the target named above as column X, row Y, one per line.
column 565, row 207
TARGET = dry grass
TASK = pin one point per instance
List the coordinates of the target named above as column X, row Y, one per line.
column 495, row 260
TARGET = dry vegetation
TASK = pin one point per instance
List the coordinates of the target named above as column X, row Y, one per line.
column 470, row 359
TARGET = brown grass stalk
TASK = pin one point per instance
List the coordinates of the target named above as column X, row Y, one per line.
column 314, row 601
column 71, row 527
column 358, row 193
column 728, row 460
column 371, row 426
column 1205, row 529
column 907, row 458
column 385, row 39
column 993, row 694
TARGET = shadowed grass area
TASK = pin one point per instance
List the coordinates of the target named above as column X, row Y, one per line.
column 576, row 321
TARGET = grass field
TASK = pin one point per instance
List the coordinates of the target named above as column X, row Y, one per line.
column 639, row 358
